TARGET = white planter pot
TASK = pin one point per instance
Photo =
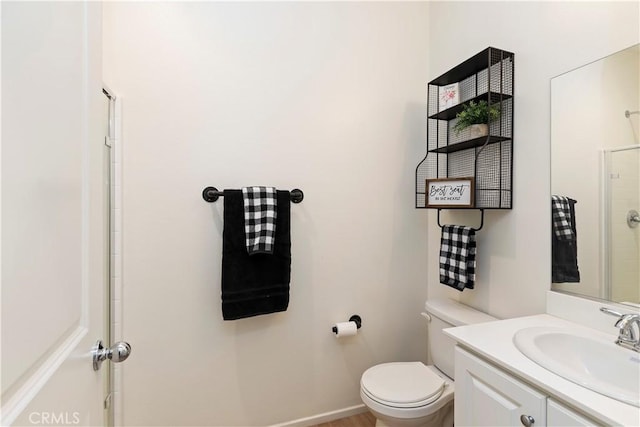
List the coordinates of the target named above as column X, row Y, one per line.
column 477, row 131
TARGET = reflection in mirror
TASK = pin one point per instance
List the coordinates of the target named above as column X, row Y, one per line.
column 595, row 179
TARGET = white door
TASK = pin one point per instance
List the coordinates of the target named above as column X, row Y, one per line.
column 53, row 242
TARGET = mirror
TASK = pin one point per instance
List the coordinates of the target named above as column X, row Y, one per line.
column 595, row 174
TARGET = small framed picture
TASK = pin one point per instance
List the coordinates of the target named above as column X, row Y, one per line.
column 450, row 193
column 448, row 96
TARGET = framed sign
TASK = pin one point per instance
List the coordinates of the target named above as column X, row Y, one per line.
column 450, row 193
column 448, row 96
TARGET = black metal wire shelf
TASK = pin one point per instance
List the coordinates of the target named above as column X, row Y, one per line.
column 450, row 113
column 473, row 65
column 470, row 143
column 487, row 76
column 474, row 208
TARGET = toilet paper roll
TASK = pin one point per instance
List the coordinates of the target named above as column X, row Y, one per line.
column 345, row 329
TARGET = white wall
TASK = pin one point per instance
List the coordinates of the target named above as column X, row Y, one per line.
column 548, row 38
column 327, row 97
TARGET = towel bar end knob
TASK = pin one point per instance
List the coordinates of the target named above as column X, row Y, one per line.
column 210, row 194
column 296, row 195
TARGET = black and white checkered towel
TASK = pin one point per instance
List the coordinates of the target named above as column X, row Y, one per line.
column 458, row 257
column 561, row 218
column 260, row 211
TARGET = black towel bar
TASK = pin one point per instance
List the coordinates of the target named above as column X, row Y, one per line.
column 476, row 229
column 211, row 194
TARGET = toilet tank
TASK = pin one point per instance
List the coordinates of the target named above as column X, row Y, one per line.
column 447, row 313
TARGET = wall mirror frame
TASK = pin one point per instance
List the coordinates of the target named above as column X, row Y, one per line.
column 595, row 179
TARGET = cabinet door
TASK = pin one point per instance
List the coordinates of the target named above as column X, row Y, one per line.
column 487, row 396
column 560, row 415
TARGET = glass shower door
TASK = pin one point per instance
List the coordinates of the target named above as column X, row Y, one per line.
column 622, row 200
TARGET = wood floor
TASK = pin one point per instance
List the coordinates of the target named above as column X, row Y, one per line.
column 364, row 419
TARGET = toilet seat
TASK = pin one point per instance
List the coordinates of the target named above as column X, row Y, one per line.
column 402, row 384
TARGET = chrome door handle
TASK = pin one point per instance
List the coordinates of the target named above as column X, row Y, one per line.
column 119, row 352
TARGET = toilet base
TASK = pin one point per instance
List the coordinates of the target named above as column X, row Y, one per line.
column 441, row 418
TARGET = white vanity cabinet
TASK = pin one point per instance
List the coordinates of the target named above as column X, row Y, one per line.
column 560, row 415
column 489, row 396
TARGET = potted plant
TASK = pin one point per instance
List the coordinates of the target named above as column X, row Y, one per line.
column 477, row 116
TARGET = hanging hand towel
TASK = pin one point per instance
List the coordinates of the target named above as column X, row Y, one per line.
column 564, row 241
column 562, row 218
column 260, row 214
column 254, row 284
column 458, row 257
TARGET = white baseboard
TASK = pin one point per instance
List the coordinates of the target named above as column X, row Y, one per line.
column 324, row 418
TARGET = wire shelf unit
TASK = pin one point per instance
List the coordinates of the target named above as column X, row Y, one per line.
column 487, row 76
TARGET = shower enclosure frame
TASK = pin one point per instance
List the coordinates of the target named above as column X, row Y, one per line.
column 606, row 218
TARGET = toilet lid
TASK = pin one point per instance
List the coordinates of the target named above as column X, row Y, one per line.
column 402, row 384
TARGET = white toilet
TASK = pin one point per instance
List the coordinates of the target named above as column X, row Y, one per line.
column 411, row 393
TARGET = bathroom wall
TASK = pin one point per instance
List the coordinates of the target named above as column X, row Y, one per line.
column 548, row 38
column 326, row 97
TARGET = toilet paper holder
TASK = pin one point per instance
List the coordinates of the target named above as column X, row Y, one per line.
column 355, row 318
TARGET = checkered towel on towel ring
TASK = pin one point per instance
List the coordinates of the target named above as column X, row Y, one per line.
column 458, row 257
column 260, row 211
column 561, row 217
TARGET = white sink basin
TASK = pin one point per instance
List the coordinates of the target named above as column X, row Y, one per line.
column 588, row 360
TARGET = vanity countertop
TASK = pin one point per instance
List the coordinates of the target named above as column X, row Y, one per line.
column 494, row 341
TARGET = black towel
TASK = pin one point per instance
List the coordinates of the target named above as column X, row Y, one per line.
column 458, row 257
column 254, row 284
column 564, row 241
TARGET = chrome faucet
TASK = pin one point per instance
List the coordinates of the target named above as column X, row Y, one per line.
column 628, row 328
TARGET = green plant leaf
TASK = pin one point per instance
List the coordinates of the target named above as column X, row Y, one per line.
column 475, row 113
